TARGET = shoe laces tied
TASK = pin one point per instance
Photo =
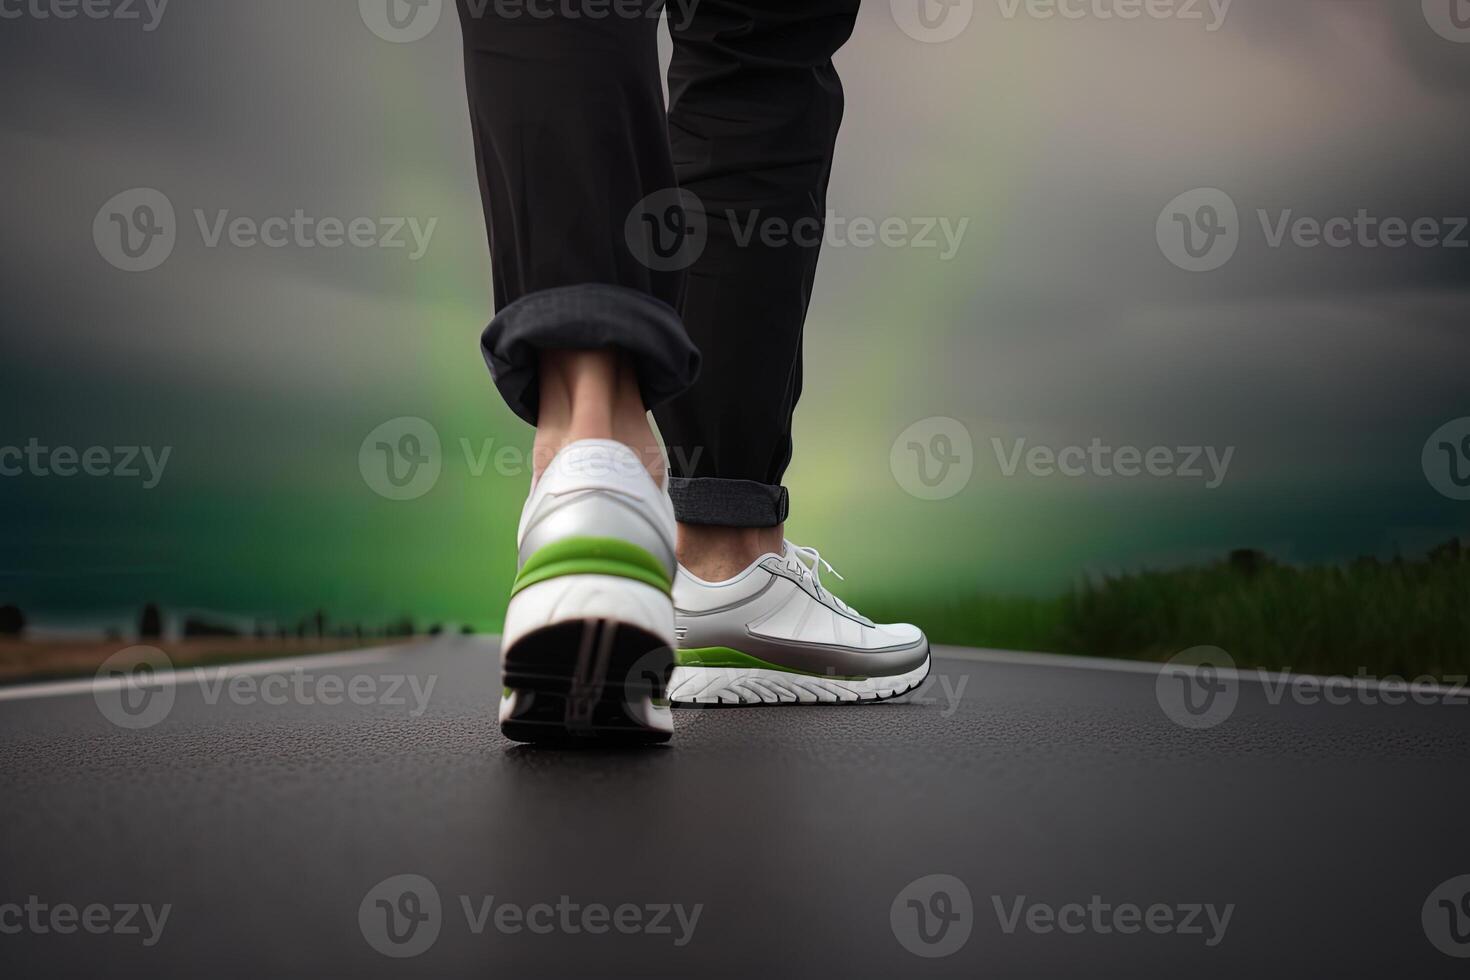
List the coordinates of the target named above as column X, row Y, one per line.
column 814, row 570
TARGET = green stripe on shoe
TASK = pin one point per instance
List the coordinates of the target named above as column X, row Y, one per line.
column 592, row 556
column 726, row 657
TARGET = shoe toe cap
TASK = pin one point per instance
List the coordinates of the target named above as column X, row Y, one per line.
column 902, row 634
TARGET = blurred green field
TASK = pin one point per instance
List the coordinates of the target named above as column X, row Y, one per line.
column 1401, row 618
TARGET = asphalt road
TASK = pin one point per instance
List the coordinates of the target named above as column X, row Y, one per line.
column 1085, row 832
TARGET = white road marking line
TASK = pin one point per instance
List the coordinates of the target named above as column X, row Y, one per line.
column 976, row 655
column 198, row 675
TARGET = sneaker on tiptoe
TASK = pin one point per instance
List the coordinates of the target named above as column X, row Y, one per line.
column 774, row 634
column 590, row 626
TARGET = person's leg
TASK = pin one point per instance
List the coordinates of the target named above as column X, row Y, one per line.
column 755, row 105
column 592, row 394
column 569, row 128
column 570, row 136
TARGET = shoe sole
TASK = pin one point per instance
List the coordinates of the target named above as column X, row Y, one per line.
column 585, row 661
column 749, row 687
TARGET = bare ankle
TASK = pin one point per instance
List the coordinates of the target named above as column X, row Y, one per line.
column 715, row 553
column 592, row 394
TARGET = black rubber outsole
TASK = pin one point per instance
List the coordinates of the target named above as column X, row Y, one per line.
column 585, row 682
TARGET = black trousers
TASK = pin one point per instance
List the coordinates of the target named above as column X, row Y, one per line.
column 686, row 237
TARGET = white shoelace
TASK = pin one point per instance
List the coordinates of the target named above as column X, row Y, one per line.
column 814, row 570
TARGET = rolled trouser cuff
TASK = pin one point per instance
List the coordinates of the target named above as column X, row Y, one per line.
column 591, row 316
column 729, row 503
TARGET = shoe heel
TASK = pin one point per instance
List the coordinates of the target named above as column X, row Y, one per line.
column 586, row 660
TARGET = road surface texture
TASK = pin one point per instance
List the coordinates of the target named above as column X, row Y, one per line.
column 1076, row 829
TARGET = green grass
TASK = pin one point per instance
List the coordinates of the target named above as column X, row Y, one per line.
column 1403, row 618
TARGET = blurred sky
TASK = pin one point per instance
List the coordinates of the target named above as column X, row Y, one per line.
column 1058, row 320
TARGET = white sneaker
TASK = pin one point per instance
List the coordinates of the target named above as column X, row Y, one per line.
column 774, row 635
column 590, row 626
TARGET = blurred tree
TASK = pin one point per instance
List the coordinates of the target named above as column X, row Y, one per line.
column 1447, row 553
column 1248, row 561
column 12, row 621
column 201, row 627
column 150, row 623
